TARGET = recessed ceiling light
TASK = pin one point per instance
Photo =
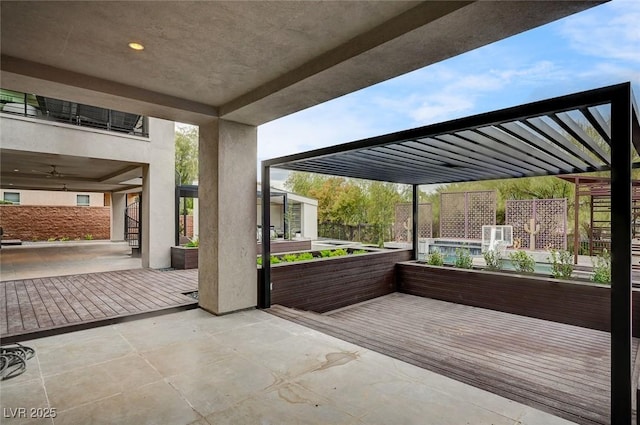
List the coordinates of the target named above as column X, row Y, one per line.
column 16, row 170
column 136, row 46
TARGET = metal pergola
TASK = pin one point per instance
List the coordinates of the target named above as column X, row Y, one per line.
column 589, row 131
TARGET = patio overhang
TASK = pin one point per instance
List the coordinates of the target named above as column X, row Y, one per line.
column 589, row 131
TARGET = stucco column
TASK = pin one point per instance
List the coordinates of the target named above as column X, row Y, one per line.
column 118, row 204
column 158, row 196
column 227, row 276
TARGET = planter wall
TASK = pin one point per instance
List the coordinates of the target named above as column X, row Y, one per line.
column 184, row 258
column 286, row 246
column 330, row 283
column 574, row 303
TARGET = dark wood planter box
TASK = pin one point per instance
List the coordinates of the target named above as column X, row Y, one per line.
column 278, row 246
column 326, row 284
column 572, row 302
column 184, row 258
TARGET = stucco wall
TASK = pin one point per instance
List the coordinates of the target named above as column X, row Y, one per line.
column 310, row 221
column 45, row 197
column 36, row 135
column 28, row 222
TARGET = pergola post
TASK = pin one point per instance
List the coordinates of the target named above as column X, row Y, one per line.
column 177, row 214
column 264, row 291
column 285, row 216
column 414, row 229
column 621, row 385
column 576, row 218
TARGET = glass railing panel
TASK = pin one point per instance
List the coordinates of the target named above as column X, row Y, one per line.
column 50, row 109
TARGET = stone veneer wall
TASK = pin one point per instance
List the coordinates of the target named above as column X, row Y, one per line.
column 31, row 222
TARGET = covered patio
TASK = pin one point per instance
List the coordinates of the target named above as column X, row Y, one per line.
column 584, row 132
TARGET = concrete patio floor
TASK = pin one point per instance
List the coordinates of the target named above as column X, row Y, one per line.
column 47, row 259
column 248, row 367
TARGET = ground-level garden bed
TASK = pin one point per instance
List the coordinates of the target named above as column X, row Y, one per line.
column 572, row 302
column 331, row 282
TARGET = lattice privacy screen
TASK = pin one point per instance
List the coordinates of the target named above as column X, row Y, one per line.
column 404, row 222
column 547, row 216
column 462, row 214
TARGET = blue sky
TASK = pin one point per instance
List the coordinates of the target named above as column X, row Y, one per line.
column 595, row 48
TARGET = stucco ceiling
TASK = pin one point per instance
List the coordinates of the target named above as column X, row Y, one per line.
column 246, row 61
column 250, row 62
column 30, row 170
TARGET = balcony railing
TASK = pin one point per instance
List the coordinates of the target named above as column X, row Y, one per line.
column 46, row 108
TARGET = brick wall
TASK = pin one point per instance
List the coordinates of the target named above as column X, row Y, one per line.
column 189, row 226
column 31, row 222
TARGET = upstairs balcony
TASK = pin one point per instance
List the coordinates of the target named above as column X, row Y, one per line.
column 62, row 111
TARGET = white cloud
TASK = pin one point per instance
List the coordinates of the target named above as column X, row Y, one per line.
column 615, row 38
column 434, row 99
column 610, row 73
column 543, row 70
column 440, row 107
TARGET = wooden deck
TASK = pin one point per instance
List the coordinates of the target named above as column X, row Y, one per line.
column 32, row 308
column 558, row 368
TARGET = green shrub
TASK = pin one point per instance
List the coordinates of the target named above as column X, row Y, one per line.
column 463, row 258
column 561, row 264
column 359, row 251
column 602, row 268
column 88, row 237
column 522, row 262
column 493, row 259
column 289, row 258
column 193, row 243
column 435, row 259
column 51, row 239
column 338, row 252
column 304, row 256
column 64, row 239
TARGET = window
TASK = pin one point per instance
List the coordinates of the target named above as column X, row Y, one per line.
column 13, row 197
column 83, row 200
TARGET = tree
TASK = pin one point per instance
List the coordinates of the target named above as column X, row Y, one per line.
column 302, row 183
column 187, row 153
column 350, row 203
column 381, row 203
column 326, row 191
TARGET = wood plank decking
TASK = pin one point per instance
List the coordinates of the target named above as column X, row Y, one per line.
column 36, row 307
column 558, row 368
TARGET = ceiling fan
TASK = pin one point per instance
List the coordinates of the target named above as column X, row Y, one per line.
column 52, row 173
